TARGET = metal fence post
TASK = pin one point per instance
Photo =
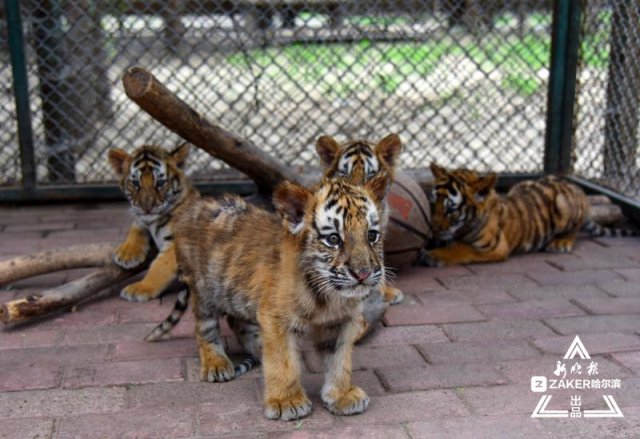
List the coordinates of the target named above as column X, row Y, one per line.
column 565, row 40
column 21, row 94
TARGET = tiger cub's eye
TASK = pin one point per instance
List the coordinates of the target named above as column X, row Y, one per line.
column 373, row 236
column 333, row 240
column 160, row 182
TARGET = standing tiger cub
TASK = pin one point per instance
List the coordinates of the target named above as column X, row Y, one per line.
column 479, row 225
column 155, row 185
column 359, row 161
column 303, row 271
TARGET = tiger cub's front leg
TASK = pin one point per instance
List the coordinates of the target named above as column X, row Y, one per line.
column 215, row 365
column 458, row 253
column 161, row 273
column 133, row 251
column 338, row 394
column 284, row 397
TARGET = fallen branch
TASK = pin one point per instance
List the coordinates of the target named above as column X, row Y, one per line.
column 64, row 296
column 153, row 97
column 79, row 256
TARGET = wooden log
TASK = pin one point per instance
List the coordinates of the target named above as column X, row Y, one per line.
column 598, row 199
column 78, row 256
column 164, row 106
column 64, row 296
column 606, row 214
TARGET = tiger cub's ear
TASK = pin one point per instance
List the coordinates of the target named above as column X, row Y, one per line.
column 118, row 159
column 290, row 201
column 388, row 149
column 327, row 148
column 179, row 155
column 483, row 185
column 379, row 186
column 438, row 171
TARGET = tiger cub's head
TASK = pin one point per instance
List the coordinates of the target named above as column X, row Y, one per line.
column 151, row 178
column 359, row 160
column 459, row 201
column 338, row 229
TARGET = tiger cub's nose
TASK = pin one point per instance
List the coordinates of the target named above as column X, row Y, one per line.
column 362, row 273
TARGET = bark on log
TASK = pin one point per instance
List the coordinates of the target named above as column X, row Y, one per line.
column 164, row 106
column 78, row 256
column 606, row 214
column 64, row 296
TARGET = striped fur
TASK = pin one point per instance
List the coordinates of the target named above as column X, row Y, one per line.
column 301, row 272
column 358, row 161
column 478, row 225
column 157, row 189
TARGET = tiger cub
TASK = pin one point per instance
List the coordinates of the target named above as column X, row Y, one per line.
column 304, row 270
column 479, row 225
column 359, row 161
column 155, row 185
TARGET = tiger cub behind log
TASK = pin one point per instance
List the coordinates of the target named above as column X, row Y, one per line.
column 359, row 161
column 155, row 185
column 302, row 271
column 479, row 225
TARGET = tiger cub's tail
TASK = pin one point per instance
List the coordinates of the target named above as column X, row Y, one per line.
column 182, row 302
column 246, row 365
column 596, row 230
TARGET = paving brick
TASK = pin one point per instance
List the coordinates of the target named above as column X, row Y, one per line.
column 171, row 348
column 589, row 324
column 108, row 334
column 32, row 428
column 506, row 329
column 630, row 360
column 31, row 337
column 51, row 226
column 593, row 261
column 57, row 402
column 621, row 289
column 131, row 424
column 440, row 377
column 473, row 427
column 398, row 335
column 611, row 306
column 412, row 280
column 189, row 394
column 444, row 272
column 68, row 237
column 365, row 357
column 486, row 351
column 50, row 280
column 533, row 309
column 84, row 316
column 619, row 428
column 412, row 406
column 619, row 242
column 53, row 356
column 600, row 343
column 629, row 274
column 30, row 378
column 511, row 266
column 555, row 292
column 128, row 372
column 471, row 297
column 487, row 282
column 584, row 277
column 341, row 431
column 422, row 315
column 500, row 400
column 247, row 417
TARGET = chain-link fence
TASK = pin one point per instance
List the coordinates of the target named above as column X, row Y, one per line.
column 462, row 82
column 607, row 147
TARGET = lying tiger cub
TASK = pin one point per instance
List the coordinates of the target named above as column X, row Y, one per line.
column 155, row 185
column 359, row 161
column 479, row 225
column 301, row 271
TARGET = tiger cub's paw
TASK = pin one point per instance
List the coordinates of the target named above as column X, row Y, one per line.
column 288, row 409
column 217, row 370
column 352, row 402
column 392, row 295
column 129, row 255
column 560, row 245
column 426, row 259
column 139, row 292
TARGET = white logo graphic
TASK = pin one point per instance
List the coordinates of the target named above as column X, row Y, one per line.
column 577, row 381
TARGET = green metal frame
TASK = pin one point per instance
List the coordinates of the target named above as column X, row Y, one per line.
column 558, row 136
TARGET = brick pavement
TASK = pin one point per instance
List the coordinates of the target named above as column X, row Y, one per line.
column 454, row 360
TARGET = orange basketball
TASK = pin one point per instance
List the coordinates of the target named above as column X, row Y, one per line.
column 409, row 222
